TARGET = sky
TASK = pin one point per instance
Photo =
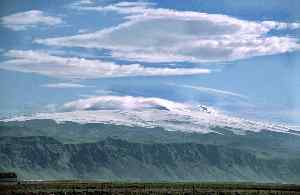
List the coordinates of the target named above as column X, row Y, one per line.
column 234, row 60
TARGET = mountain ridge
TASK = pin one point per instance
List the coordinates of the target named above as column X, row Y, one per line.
column 114, row 159
column 44, row 149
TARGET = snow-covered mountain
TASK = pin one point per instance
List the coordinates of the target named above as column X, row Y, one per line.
column 152, row 112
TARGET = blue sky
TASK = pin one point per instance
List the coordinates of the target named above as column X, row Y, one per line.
column 238, row 57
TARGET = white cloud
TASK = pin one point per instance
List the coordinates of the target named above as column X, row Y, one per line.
column 281, row 25
column 84, row 2
column 104, row 92
column 121, row 7
column 79, row 68
column 163, row 35
column 211, row 90
column 151, row 112
column 64, row 85
column 29, row 19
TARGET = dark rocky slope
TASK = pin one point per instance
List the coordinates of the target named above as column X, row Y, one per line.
column 41, row 157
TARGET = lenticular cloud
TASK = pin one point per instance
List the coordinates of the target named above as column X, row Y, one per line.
column 79, row 68
column 163, row 35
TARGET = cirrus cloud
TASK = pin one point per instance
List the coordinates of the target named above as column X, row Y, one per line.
column 65, row 85
column 218, row 92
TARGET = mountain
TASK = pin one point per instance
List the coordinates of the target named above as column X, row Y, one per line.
column 113, row 159
column 267, row 143
column 44, row 149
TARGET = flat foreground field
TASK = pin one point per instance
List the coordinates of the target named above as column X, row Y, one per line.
column 162, row 188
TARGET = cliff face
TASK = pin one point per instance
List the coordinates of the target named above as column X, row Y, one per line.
column 41, row 157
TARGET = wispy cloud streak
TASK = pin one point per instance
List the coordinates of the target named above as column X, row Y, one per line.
column 65, row 85
column 210, row 90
